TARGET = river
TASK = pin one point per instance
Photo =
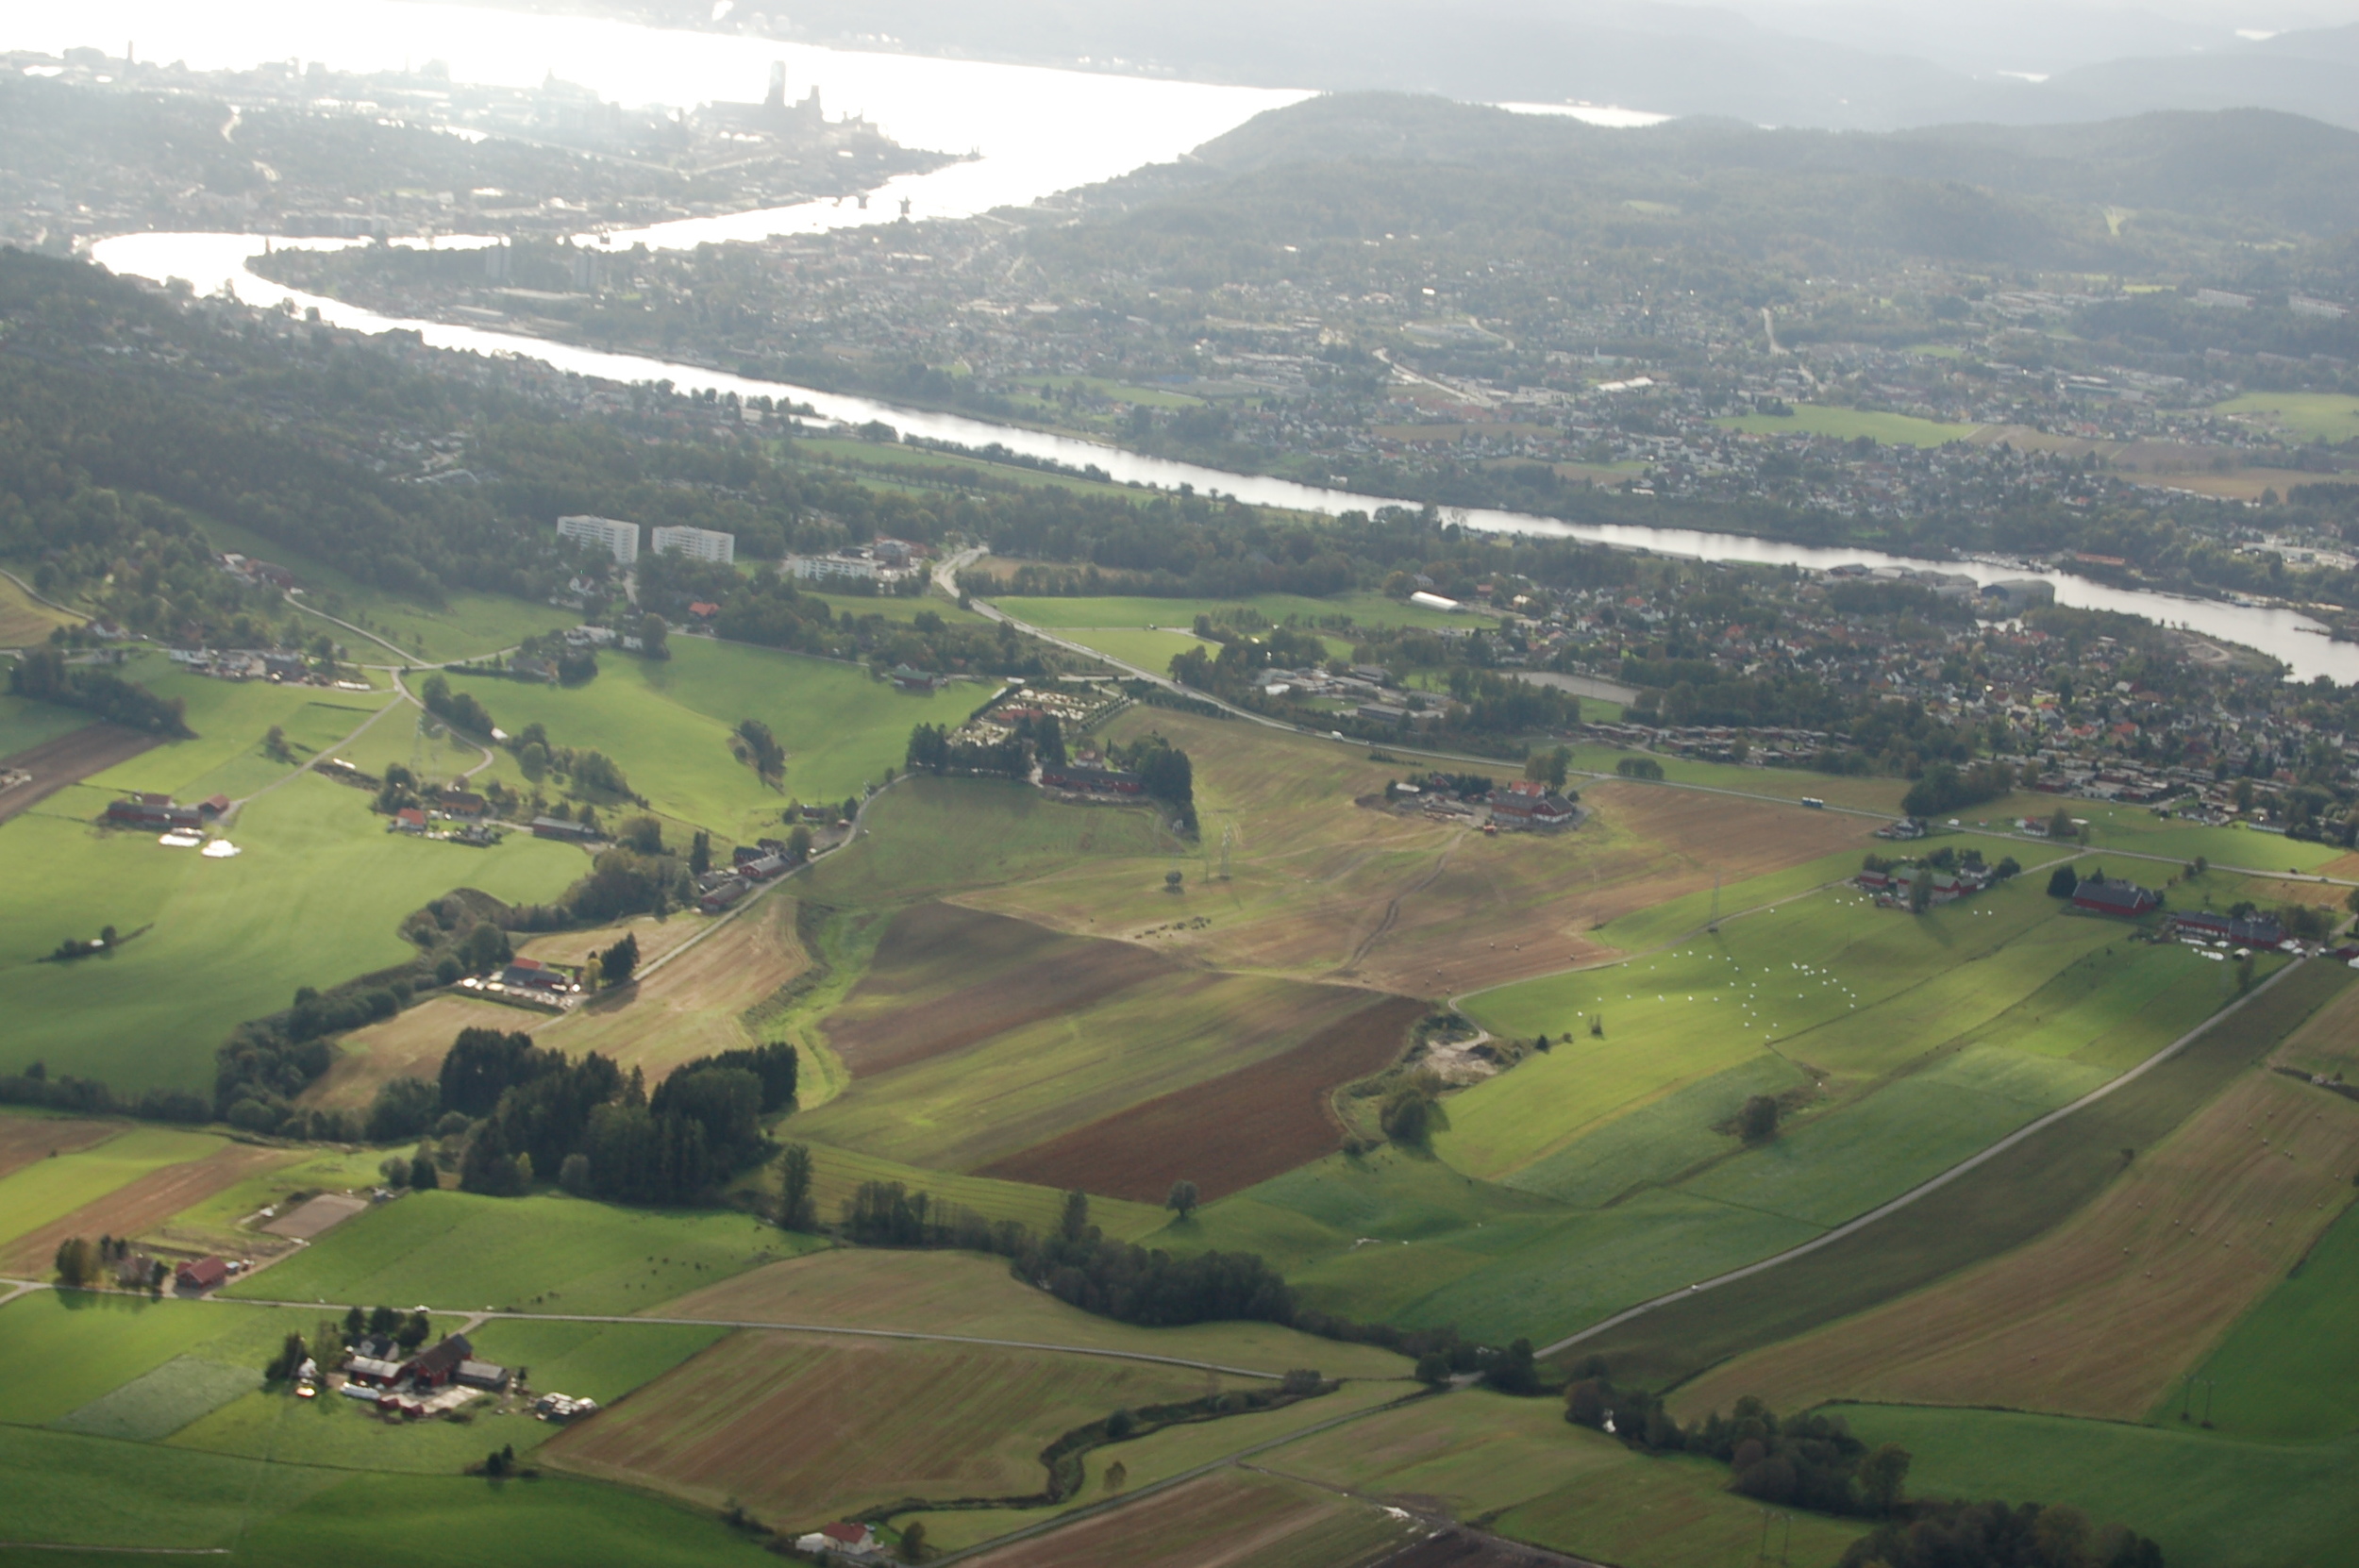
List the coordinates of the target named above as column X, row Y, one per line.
column 210, row 261
column 1035, row 130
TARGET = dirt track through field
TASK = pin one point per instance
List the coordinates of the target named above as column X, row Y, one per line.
column 142, row 1203
column 1230, row 1132
column 26, row 1139
column 68, row 759
column 2098, row 1316
column 946, row 978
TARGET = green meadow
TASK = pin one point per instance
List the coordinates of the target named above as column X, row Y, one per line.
column 2288, row 1371
column 667, row 723
column 314, row 897
column 460, row 1251
column 2209, row 1501
column 79, row 1491
column 1366, row 610
column 931, row 836
column 464, row 626
column 64, row 1352
column 2331, row 417
column 25, row 724
column 1815, row 419
column 1152, row 651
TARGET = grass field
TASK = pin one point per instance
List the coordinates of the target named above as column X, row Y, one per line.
column 464, row 626
column 315, row 898
column 2208, row 1501
column 25, row 724
column 837, row 1173
column 2329, row 417
column 1365, row 609
column 1230, row 1516
column 804, row 1429
column 24, row 621
column 1519, row 1465
column 67, row 1352
column 1173, row 1451
column 2288, row 1371
column 458, row 1251
column 1151, row 651
column 2100, row 1316
column 2004, row 1203
column 1811, row 419
column 667, row 723
column 949, row 1293
column 935, row 836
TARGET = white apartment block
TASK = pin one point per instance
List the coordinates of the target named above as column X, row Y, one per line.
column 816, row 568
column 701, row 543
column 621, row 538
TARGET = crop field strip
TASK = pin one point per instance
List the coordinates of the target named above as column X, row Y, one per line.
column 2008, row 1199
column 25, row 1139
column 69, row 758
column 1228, row 1133
column 1230, row 1517
column 2098, row 1316
column 799, row 1425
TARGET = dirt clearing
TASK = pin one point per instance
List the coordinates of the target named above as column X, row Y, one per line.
column 945, row 977
column 1230, row 1132
column 2100, row 1315
column 68, row 759
column 321, row 1214
column 26, row 1139
column 410, row 1044
column 139, row 1205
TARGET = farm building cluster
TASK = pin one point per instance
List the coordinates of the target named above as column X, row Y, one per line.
column 439, row 1378
column 750, row 866
column 1519, row 806
column 530, row 983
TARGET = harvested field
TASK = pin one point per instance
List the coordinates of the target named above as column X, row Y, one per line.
column 1228, row 1519
column 68, row 759
column 2100, row 1315
column 410, row 1044
column 958, row 1293
column 1229, row 1133
column 695, row 1005
column 321, row 1214
column 803, row 1430
column 145, row 1202
column 1467, row 1549
column 945, row 977
column 26, row 1139
column 655, row 938
column 1048, row 1077
column 24, row 620
column 1319, row 887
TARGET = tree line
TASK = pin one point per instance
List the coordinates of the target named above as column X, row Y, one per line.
column 44, row 676
column 533, row 1115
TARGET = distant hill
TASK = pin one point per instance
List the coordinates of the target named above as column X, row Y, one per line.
column 1824, row 65
column 2280, row 171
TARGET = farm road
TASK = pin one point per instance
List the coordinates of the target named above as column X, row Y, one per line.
column 945, row 578
column 1952, row 1173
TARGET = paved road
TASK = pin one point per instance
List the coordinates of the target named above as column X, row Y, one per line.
column 1943, row 1180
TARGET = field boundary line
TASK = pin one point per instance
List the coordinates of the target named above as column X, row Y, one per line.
column 311, row 764
column 1935, row 1183
column 118, row 1551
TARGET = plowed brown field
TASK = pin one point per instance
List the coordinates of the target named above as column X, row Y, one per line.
column 945, row 977
column 1226, row 1134
column 2100, row 1315
column 68, row 759
column 26, row 1139
column 141, row 1205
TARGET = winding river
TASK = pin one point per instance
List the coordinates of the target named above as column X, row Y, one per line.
column 1034, row 130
